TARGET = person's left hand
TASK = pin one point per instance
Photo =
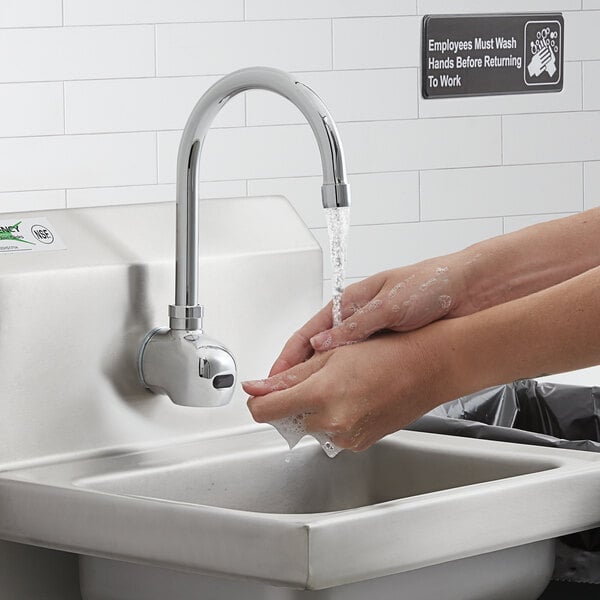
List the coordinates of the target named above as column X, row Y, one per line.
column 357, row 394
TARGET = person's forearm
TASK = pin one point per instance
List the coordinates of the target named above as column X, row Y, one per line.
column 359, row 393
column 517, row 264
column 551, row 331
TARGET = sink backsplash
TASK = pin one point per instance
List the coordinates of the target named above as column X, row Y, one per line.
column 72, row 320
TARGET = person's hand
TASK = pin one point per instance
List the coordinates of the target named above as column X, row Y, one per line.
column 359, row 393
column 401, row 299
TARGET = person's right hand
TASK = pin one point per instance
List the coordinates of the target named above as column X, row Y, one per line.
column 400, row 300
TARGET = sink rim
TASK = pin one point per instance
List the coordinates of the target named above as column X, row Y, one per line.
column 321, row 549
column 56, row 473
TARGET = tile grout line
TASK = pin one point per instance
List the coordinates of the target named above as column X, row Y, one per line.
column 332, row 45
column 316, row 176
column 557, row 215
column 419, row 193
column 419, row 84
column 301, row 124
column 193, row 76
column 582, row 86
column 502, row 139
column 64, row 107
column 242, row 20
column 583, row 185
column 155, row 50
column 156, row 157
column 416, row 170
column 112, row 187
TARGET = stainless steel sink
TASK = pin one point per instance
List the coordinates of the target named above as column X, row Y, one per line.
column 266, row 479
column 418, row 511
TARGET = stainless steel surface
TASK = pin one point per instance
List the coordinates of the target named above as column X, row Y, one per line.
column 335, row 195
column 520, row 573
column 310, row 483
column 69, row 372
column 199, row 371
column 244, row 506
column 180, row 316
column 174, row 371
column 335, row 191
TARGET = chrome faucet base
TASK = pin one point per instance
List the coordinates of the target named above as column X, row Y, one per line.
column 191, row 368
column 186, row 318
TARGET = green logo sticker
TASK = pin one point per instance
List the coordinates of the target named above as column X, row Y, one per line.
column 11, row 233
column 23, row 236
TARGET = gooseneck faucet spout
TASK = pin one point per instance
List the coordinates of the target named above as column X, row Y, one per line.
column 186, row 314
column 167, row 355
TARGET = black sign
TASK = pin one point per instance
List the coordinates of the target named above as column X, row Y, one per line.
column 477, row 55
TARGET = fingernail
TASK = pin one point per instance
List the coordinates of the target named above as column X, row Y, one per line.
column 321, row 340
column 317, row 340
column 254, row 382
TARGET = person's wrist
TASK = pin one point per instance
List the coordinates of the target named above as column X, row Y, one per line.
column 448, row 353
column 465, row 289
column 479, row 278
column 438, row 349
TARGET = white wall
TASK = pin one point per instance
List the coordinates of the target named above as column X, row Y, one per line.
column 94, row 94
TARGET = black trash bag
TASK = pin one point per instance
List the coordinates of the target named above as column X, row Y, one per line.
column 540, row 414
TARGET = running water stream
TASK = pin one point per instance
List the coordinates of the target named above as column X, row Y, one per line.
column 338, row 222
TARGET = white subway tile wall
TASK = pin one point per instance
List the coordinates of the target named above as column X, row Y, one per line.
column 315, row 9
column 217, row 48
column 591, row 84
column 94, row 94
column 515, row 223
column 592, row 185
column 114, row 12
column 491, row 6
column 376, row 43
column 31, row 109
column 30, row 13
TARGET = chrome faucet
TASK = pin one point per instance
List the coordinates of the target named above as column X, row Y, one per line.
column 181, row 361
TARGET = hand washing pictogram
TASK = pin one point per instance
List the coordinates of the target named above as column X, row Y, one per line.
column 542, row 52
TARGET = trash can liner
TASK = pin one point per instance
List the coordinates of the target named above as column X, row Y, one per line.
column 539, row 414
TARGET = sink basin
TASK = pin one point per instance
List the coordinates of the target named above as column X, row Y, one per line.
column 420, row 507
column 266, row 480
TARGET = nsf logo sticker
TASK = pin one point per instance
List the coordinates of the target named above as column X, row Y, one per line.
column 42, row 234
column 543, row 53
